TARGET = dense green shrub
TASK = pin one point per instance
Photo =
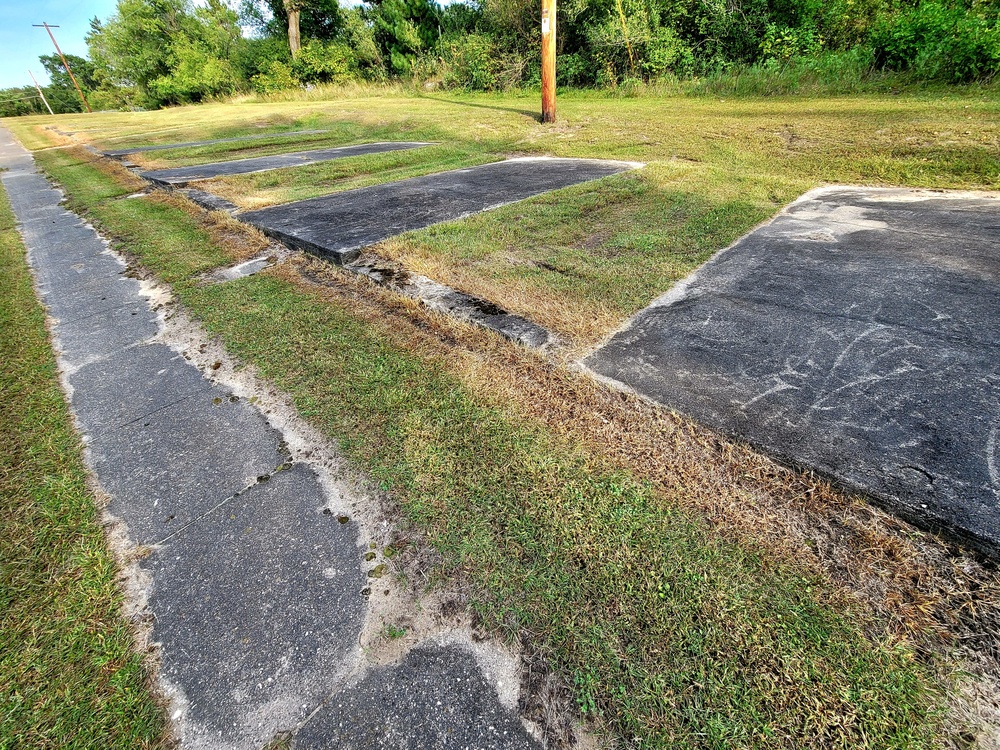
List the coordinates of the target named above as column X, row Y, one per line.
column 324, row 62
column 940, row 41
column 155, row 52
column 277, row 76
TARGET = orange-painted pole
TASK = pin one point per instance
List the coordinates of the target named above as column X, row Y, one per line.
column 62, row 57
column 548, row 60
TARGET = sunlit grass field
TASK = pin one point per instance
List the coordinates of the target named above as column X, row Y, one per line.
column 671, row 577
column 585, row 259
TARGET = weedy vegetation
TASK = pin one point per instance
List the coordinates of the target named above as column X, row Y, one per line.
column 690, row 592
column 70, row 676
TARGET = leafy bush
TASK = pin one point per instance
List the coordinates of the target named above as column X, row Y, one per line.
column 195, row 74
column 324, row 62
column 276, row 77
column 936, row 41
column 471, row 63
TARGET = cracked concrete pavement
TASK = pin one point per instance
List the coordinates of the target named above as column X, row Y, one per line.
column 858, row 334
column 251, row 561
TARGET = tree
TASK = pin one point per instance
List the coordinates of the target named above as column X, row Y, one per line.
column 404, row 29
column 61, row 93
column 294, row 8
column 155, row 52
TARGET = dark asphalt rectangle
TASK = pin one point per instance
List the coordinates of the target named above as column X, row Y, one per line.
column 191, row 144
column 338, row 226
column 180, row 176
column 858, row 334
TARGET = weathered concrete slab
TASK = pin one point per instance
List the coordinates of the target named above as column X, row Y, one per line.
column 89, row 338
column 254, row 585
column 338, row 226
column 859, row 334
column 181, row 176
column 258, row 609
column 437, row 697
column 169, row 467
column 116, row 391
column 210, row 202
column 165, row 146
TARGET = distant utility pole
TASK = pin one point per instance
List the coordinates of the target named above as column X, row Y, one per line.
column 548, row 60
column 62, row 57
column 41, row 94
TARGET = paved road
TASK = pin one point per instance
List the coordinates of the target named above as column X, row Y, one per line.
column 859, row 334
column 181, row 176
column 255, row 591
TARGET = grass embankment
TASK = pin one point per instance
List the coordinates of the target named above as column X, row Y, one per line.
column 671, row 634
column 583, row 261
column 69, row 675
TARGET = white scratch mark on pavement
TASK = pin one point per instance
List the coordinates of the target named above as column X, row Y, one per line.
column 992, row 465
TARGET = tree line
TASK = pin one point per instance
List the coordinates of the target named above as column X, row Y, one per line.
column 153, row 53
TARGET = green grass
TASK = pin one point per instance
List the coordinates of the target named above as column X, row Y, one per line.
column 69, row 676
column 670, row 635
column 585, row 259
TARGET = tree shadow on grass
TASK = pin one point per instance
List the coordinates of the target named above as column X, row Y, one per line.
column 536, row 116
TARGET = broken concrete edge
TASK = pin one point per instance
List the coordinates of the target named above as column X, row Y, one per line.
column 985, row 549
column 438, row 297
column 208, row 201
column 448, row 301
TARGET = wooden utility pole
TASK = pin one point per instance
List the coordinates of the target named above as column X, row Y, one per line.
column 62, row 57
column 548, row 60
column 39, row 88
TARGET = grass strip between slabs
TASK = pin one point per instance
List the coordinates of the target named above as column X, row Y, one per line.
column 669, row 635
column 69, row 674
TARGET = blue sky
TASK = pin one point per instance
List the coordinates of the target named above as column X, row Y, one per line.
column 21, row 44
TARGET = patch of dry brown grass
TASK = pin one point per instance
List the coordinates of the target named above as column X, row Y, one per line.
column 241, row 241
column 910, row 585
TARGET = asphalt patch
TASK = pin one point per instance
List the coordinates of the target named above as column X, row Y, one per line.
column 857, row 334
column 181, row 176
column 340, row 225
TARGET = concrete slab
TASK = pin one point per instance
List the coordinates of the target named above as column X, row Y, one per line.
column 89, row 338
column 116, row 152
column 254, row 582
column 258, row 610
column 78, row 284
column 338, row 226
column 181, row 176
column 188, row 454
column 437, row 697
column 857, row 334
column 116, row 391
